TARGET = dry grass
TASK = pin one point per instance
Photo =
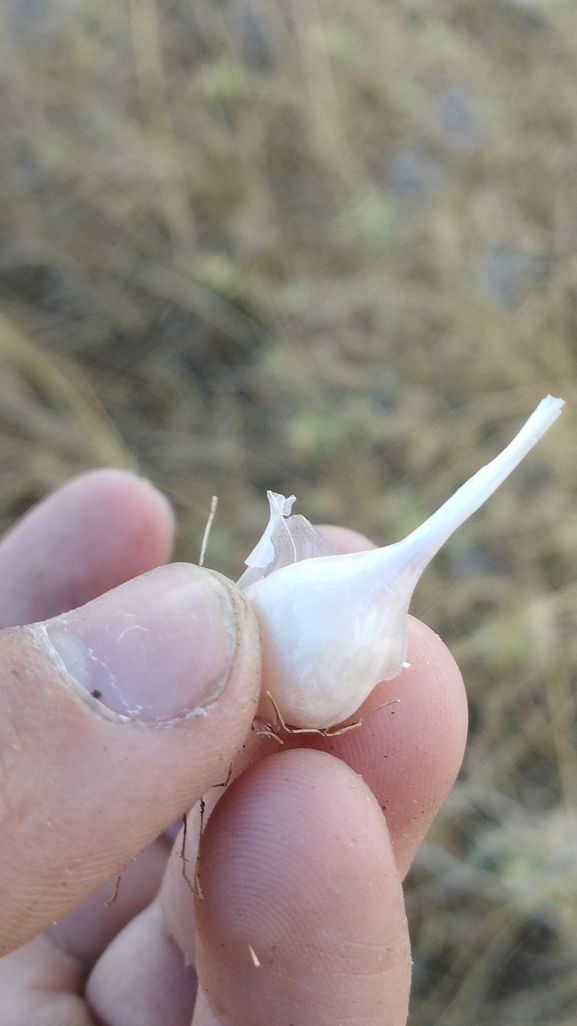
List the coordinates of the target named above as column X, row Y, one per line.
column 330, row 247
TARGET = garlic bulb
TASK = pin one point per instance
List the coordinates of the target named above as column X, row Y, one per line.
column 333, row 626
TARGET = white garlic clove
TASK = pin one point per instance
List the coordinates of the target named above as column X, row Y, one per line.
column 332, row 627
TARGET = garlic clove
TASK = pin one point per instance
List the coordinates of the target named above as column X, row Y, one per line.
column 333, row 626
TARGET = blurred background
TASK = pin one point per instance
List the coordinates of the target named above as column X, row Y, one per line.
column 329, row 247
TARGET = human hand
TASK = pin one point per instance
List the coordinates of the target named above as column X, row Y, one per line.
column 299, row 870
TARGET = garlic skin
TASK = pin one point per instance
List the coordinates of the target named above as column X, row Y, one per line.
column 333, row 626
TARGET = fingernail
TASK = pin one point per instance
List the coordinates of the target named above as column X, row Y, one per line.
column 153, row 649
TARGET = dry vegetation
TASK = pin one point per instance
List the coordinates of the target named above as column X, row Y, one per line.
column 330, row 247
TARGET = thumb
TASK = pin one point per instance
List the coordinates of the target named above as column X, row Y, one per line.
column 116, row 718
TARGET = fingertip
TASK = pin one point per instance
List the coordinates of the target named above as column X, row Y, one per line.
column 86, row 788
column 139, row 491
column 95, row 532
column 345, row 540
column 410, row 745
column 434, row 668
column 119, row 509
column 142, row 977
column 302, row 912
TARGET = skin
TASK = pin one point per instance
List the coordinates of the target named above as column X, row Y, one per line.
column 301, row 861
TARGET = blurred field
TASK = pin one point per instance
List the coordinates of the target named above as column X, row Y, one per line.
column 329, row 247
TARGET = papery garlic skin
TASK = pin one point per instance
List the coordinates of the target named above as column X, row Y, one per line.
column 287, row 539
column 333, row 626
